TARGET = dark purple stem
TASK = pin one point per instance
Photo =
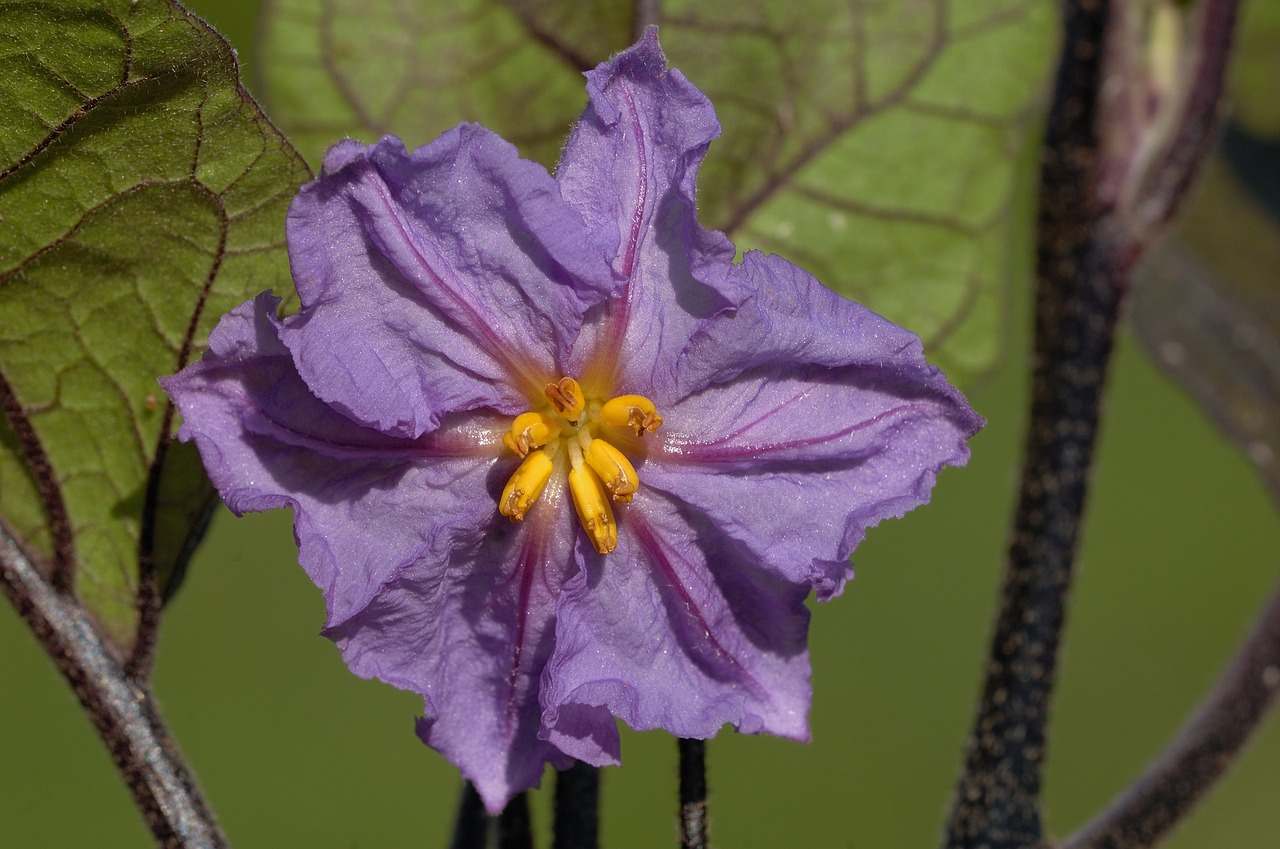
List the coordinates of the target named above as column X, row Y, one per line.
column 120, row 707
column 693, row 794
column 1176, row 781
column 515, row 829
column 1086, row 248
column 1079, row 286
column 577, row 808
column 471, row 830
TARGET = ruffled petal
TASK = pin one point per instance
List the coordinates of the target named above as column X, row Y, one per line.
column 815, row 406
column 365, row 504
column 631, row 166
column 680, row 629
column 471, row 633
column 448, row 279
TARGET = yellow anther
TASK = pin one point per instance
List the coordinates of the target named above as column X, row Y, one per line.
column 615, row 470
column 634, row 411
column 566, row 398
column 593, row 509
column 530, row 431
column 525, row 486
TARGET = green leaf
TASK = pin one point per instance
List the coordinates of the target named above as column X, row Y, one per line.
column 880, row 145
column 142, row 194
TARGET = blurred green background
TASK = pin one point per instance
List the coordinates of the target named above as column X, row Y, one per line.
column 1180, row 550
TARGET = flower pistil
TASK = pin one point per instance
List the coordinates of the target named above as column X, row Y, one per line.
column 598, row 471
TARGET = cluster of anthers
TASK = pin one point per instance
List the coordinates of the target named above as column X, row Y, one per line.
column 599, row 473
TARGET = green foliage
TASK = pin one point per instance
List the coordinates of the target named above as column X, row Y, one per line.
column 878, row 145
column 142, row 194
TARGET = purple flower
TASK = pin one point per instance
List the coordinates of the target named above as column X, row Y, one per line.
column 554, row 458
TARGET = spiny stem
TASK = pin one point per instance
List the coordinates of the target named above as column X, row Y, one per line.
column 693, row 794
column 120, row 707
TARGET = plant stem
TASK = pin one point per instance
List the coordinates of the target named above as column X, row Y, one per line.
column 693, row 794
column 471, row 829
column 515, row 829
column 577, row 808
column 1080, row 279
column 120, row 707
column 1105, row 197
column 1197, row 758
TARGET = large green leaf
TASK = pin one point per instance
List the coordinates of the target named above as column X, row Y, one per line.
column 878, row 144
column 142, row 194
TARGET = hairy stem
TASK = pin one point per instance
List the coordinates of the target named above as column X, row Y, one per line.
column 693, row 794
column 1104, row 199
column 1079, row 285
column 577, row 808
column 120, row 707
column 1197, row 758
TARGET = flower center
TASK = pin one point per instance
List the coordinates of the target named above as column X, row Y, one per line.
column 598, row 472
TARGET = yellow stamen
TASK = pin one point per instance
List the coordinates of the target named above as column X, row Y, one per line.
column 634, row 411
column 566, row 398
column 615, row 470
column 530, row 431
column 525, row 486
column 593, row 509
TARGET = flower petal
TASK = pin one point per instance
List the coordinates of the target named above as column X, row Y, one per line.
column 448, row 279
column 631, row 166
column 678, row 628
column 813, row 405
column 365, row 504
column 471, row 633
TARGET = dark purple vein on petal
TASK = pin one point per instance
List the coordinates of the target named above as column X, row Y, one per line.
column 469, row 441
column 479, row 327
column 530, row 565
column 682, row 602
column 719, row 450
column 620, row 314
